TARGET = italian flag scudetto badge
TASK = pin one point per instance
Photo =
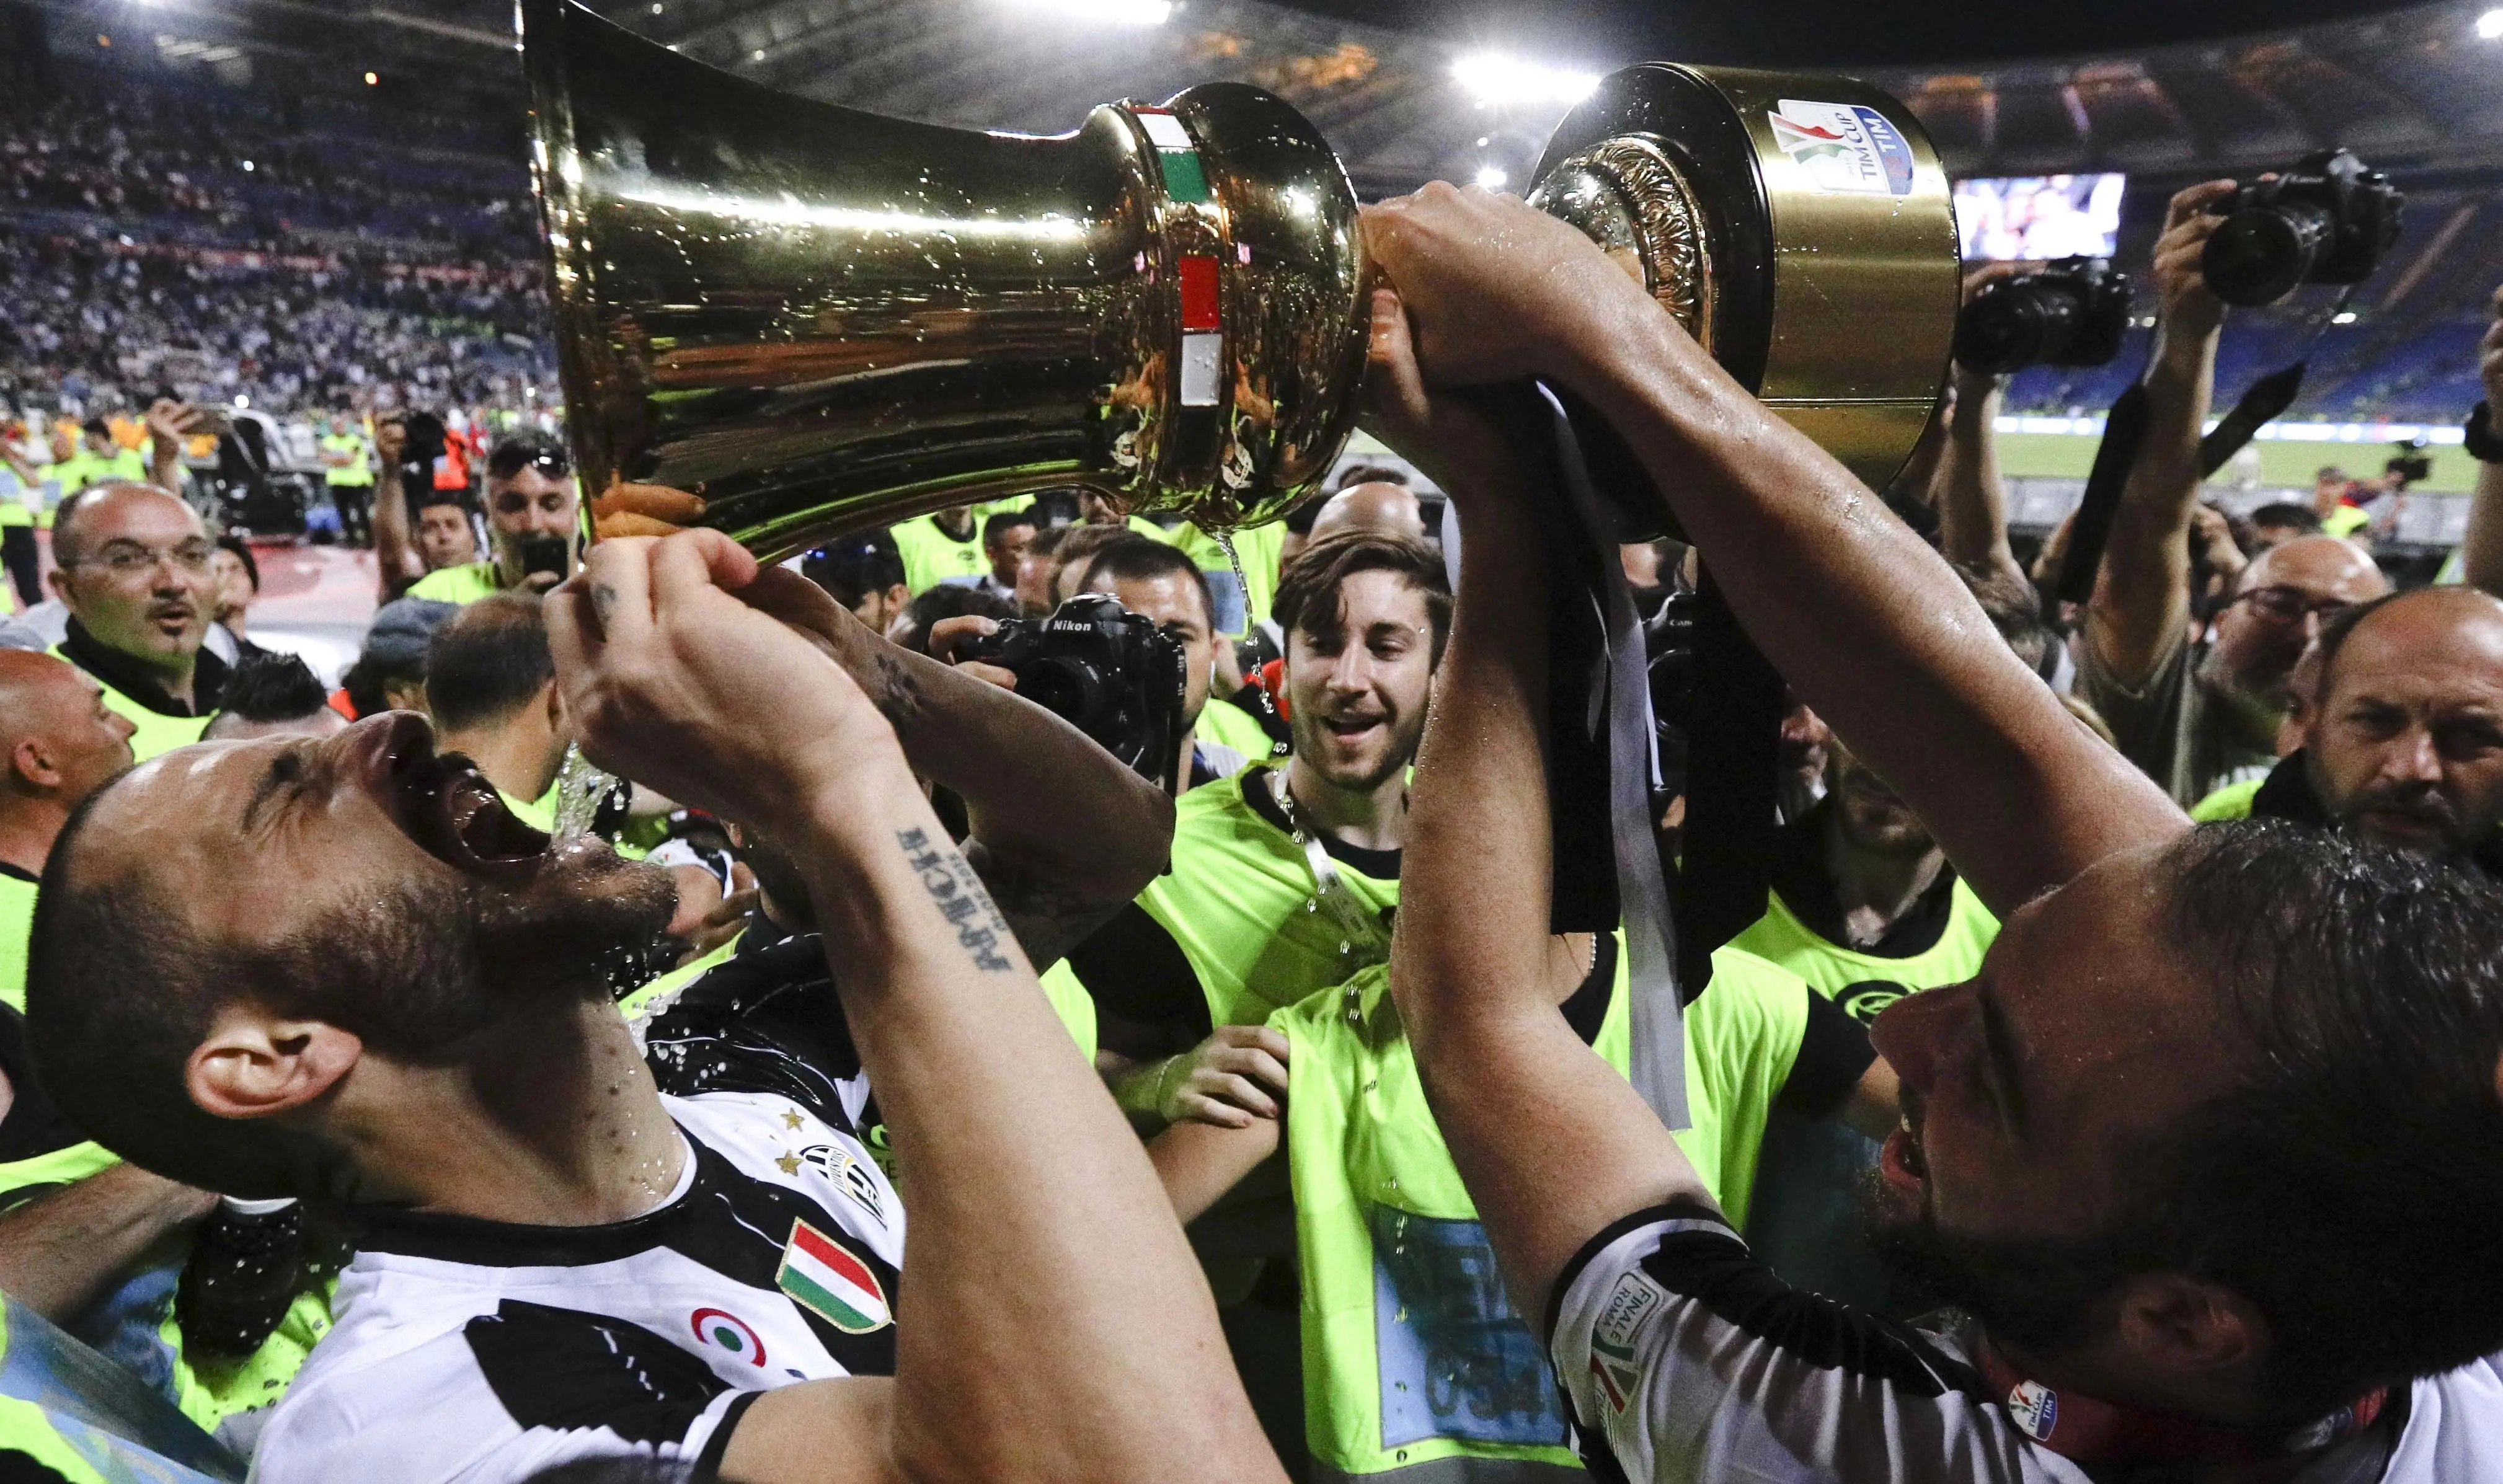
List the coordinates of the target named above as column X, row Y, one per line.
column 833, row 1284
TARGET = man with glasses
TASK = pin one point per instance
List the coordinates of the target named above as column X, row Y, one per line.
column 133, row 569
column 533, row 526
column 2199, row 716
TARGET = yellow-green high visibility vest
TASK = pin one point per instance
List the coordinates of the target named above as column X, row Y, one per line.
column 207, row 1392
column 1258, row 549
column 464, row 584
column 154, row 731
column 1239, row 903
column 2233, row 802
column 1228, row 724
column 17, row 922
column 931, row 556
column 358, row 474
column 1415, row 1365
column 1864, row 983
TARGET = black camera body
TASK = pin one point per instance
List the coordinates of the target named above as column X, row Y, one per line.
column 421, row 445
column 2410, row 463
column 2327, row 221
column 1107, row 671
column 2069, row 313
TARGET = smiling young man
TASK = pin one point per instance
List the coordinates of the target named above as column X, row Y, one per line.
column 134, row 570
column 338, row 969
column 1242, row 927
column 2210, row 1151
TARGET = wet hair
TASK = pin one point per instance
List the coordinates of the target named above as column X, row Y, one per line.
column 488, row 661
column 1141, row 561
column 267, row 686
column 2351, row 1183
column 853, row 567
column 1307, row 598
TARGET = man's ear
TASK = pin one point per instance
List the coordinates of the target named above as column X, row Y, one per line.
column 29, row 761
column 2178, row 1325
column 252, row 1064
column 552, row 700
column 59, row 578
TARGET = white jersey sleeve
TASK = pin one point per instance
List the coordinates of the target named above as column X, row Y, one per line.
column 435, row 1416
column 1686, row 1360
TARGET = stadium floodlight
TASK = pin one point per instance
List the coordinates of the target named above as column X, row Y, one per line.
column 1493, row 78
column 1117, row 12
column 2343, row 317
column 1492, row 178
column 2491, row 24
column 371, row 80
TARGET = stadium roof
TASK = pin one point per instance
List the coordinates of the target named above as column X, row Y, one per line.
column 2416, row 87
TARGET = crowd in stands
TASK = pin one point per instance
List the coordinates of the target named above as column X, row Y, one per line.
column 523, row 1060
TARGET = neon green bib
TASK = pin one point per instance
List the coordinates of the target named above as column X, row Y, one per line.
column 1228, row 724
column 464, row 584
column 2233, row 802
column 1235, row 903
column 153, row 733
column 1412, row 1355
column 931, row 556
column 1864, row 983
column 17, row 920
column 352, row 476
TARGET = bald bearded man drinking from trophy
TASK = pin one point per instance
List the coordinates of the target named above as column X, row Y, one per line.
column 337, row 970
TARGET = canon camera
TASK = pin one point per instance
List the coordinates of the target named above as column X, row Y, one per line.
column 2069, row 313
column 2327, row 221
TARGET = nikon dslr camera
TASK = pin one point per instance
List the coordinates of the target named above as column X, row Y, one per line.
column 2069, row 313
column 1107, row 671
column 2327, row 221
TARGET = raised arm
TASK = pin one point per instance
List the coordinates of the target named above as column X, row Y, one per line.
column 1973, row 498
column 1055, row 1327
column 62, row 1250
column 2140, row 608
column 1473, row 968
column 397, row 561
column 2481, row 550
column 1063, row 834
column 170, row 424
column 1867, row 623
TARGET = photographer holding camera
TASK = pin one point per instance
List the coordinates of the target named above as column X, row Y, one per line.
column 2198, row 716
column 533, row 525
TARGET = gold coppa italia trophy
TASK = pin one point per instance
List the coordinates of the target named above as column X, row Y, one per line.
column 811, row 318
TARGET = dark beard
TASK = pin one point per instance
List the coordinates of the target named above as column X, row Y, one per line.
column 2036, row 1295
column 428, row 967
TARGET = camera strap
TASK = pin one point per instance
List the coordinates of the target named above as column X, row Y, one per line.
column 1363, row 939
column 2125, row 429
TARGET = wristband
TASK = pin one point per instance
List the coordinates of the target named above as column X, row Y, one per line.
column 2478, row 437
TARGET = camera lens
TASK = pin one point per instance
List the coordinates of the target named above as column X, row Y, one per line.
column 1069, row 689
column 2259, row 253
column 2022, row 322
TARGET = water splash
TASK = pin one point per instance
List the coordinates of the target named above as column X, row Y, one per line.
column 580, row 785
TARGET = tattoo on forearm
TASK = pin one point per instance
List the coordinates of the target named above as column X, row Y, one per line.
column 899, row 695
column 1047, row 917
column 950, row 881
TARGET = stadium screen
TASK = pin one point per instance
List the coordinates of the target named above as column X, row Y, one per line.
column 2039, row 216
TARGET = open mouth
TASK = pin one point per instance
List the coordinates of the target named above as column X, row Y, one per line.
column 446, row 806
column 1350, row 727
column 1902, row 1160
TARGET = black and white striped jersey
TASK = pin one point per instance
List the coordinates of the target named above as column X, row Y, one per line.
column 479, row 1350
column 1687, row 1360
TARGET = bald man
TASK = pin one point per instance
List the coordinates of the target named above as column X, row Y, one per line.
column 62, row 743
column 1377, row 506
column 2400, row 728
column 2201, row 717
column 134, row 570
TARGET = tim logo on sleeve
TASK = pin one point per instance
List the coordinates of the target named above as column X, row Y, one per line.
column 1844, row 147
